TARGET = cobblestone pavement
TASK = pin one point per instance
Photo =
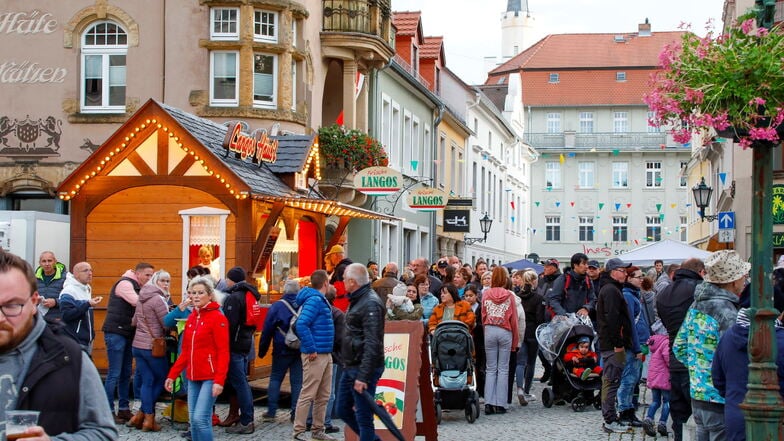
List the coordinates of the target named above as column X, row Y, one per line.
column 533, row 422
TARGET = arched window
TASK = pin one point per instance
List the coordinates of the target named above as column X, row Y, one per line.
column 104, row 46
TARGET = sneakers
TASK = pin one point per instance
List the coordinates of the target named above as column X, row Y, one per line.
column 489, row 409
column 647, row 426
column 662, row 428
column 322, row 435
column 299, row 437
column 241, row 429
column 267, row 418
column 615, row 427
column 585, row 374
column 530, row 398
column 628, row 417
column 186, row 435
column 521, row 397
column 332, row 429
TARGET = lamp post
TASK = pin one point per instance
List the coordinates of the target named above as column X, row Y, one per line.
column 484, row 224
column 762, row 406
column 702, row 195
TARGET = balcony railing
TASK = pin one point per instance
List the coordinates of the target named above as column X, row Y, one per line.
column 363, row 16
column 598, row 140
column 407, row 67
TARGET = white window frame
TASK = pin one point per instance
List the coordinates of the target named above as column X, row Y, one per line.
column 294, row 85
column 554, row 78
column 294, row 36
column 585, row 228
column 552, row 228
column 105, row 51
column 653, row 228
column 683, row 178
column 552, row 174
column 273, row 37
column 653, row 170
column 386, row 122
column 235, row 35
column 553, row 122
column 620, row 228
column 396, row 152
column 620, row 174
column 586, row 122
column 441, row 166
column 652, row 128
column 587, row 174
column 620, row 122
column 620, row 76
column 274, row 101
column 407, row 141
column 684, row 228
column 222, row 102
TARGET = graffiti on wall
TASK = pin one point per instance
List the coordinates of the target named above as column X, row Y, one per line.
column 602, row 251
column 30, row 138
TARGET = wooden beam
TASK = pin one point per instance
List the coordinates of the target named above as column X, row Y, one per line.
column 341, row 228
column 140, row 164
column 163, row 154
column 183, row 166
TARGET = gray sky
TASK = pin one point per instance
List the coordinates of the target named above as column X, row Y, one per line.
column 471, row 33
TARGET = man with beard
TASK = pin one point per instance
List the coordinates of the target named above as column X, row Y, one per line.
column 43, row 368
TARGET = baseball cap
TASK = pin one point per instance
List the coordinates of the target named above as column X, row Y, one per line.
column 553, row 262
column 593, row 264
column 616, row 263
column 443, row 263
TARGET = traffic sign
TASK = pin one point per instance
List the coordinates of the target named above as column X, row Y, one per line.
column 726, row 236
column 726, row 220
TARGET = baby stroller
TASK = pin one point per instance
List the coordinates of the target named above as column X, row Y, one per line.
column 553, row 339
column 451, row 350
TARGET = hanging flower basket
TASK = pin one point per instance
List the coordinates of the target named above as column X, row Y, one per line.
column 732, row 83
column 350, row 149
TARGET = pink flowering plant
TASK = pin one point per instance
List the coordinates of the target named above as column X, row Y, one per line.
column 732, row 83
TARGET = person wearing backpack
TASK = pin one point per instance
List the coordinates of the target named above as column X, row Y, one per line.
column 284, row 358
column 241, row 329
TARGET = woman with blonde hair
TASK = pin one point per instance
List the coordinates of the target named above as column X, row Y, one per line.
column 499, row 318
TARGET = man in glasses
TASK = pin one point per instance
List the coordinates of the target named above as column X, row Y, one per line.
column 615, row 332
column 43, row 368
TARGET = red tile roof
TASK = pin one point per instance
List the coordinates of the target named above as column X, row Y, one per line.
column 433, row 48
column 406, row 22
column 587, row 65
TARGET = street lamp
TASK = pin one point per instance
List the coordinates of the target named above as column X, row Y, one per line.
column 484, row 224
column 702, row 194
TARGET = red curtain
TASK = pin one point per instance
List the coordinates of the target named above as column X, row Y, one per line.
column 308, row 247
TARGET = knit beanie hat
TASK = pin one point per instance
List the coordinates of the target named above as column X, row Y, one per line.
column 236, row 274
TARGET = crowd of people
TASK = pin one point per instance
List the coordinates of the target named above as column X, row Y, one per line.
column 683, row 330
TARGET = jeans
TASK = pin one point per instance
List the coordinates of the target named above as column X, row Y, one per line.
column 200, row 402
column 152, row 372
column 709, row 418
column 629, row 379
column 353, row 409
column 660, row 398
column 526, row 363
column 336, row 372
column 118, row 352
column 237, row 377
column 613, row 363
column 498, row 346
column 281, row 364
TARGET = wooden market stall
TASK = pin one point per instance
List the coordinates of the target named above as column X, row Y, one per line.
column 167, row 184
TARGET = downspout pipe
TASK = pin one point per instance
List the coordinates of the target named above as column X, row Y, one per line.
column 434, row 143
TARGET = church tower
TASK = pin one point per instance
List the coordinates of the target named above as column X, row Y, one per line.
column 516, row 27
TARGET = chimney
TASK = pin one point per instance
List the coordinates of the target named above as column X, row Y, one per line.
column 644, row 29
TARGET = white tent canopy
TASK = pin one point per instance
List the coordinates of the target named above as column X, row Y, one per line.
column 667, row 250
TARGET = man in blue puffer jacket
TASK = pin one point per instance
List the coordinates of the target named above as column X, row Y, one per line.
column 316, row 333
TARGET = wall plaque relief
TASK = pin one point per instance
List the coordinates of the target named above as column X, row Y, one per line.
column 30, row 138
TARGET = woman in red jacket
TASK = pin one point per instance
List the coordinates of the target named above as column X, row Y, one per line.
column 204, row 357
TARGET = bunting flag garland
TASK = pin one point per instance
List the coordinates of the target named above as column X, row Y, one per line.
column 673, row 205
column 601, row 205
column 537, row 203
column 549, row 188
column 723, row 177
column 414, row 165
column 617, row 206
column 662, row 146
column 561, row 158
column 571, row 203
column 570, row 154
column 658, row 207
column 557, row 203
column 629, row 205
column 616, row 152
column 661, row 216
column 512, row 204
column 513, row 218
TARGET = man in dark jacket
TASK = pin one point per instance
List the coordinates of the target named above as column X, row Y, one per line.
column 615, row 332
column 50, row 276
column 363, row 352
column 283, row 359
column 671, row 306
column 383, row 286
column 550, row 273
column 240, row 342
column 573, row 291
column 43, row 368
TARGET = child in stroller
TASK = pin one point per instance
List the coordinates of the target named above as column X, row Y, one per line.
column 581, row 361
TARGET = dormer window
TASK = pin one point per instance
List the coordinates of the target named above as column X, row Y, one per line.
column 620, row 76
column 554, row 78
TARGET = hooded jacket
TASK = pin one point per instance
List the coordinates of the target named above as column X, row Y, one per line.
column 499, row 309
column 713, row 312
column 276, row 325
column 612, row 316
column 546, row 282
column 533, row 305
column 315, row 328
column 730, row 372
column 52, row 289
column 76, row 311
column 659, row 362
column 641, row 331
column 205, row 346
column 234, row 308
column 571, row 292
column 148, row 317
column 672, row 304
